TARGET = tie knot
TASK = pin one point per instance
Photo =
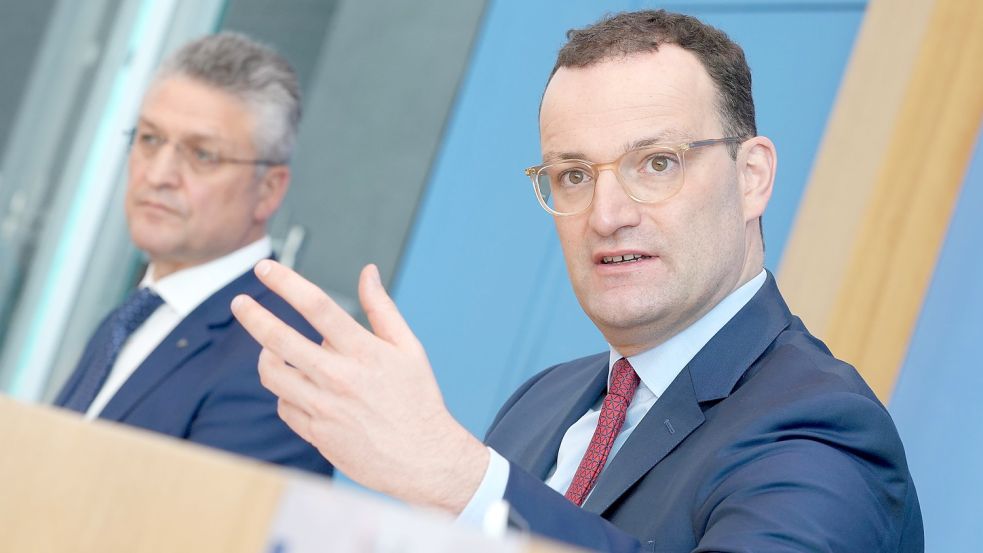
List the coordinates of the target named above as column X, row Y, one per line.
column 624, row 379
column 137, row 307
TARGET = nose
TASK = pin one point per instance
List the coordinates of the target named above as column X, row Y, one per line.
column 163, row 167
column 612, row 208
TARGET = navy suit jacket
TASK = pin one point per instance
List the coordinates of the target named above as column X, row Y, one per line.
column 764, row 442
column 201, row 383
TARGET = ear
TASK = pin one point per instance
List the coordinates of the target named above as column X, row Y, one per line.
column 272, row 188
column 756, row 175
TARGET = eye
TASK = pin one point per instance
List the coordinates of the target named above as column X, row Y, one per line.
column 574, row 177
column 203, row 156
column 659, row 163
column 149, row 139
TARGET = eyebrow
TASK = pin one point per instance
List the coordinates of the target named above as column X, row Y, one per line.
column 558, row 156
column 667, row 137
column 143, row 122
column 193, row 137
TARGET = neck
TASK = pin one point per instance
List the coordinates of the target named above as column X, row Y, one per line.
column 162, row 269
column 166, row 266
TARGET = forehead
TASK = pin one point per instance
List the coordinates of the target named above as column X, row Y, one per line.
column 184, row 106
column 602, row 108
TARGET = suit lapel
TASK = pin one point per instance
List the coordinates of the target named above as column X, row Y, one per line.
column 673, row 417
column 189, row 338
column 584, row 391
column 728, row 355
column 186, row 340
column 711, row 375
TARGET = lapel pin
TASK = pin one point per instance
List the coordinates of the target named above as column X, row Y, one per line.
column 182, row 343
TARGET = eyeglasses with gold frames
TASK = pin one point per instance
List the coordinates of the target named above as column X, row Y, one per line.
column 647, row 175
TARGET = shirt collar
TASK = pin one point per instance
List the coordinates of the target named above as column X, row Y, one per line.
column 186, row 289
column 659, row 366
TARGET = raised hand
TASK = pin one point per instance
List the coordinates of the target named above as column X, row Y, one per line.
column 367, row 400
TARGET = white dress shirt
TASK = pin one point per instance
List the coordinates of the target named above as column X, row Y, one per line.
column 182, row 292
column 656, row 368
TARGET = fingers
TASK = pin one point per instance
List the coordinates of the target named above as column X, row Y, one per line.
column 297, row 419
column 335, row 325
column 287, row 382
column 285, row 342
column 382, row 313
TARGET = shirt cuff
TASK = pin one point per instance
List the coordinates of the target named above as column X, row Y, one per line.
column 490, row 492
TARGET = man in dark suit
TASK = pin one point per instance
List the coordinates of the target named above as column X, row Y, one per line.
column 207, row 170
column 716, row 422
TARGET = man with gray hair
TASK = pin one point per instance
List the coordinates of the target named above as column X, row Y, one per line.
column 207, row 170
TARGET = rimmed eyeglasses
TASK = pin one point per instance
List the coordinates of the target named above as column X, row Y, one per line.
column 199, row 158
column 647, row 175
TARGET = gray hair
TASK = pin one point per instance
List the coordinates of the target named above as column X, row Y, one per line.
column 252, row 72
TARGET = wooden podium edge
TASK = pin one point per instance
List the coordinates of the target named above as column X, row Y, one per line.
column 74, row 485
column 81, row 486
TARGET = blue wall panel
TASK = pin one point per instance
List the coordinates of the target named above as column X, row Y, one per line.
column 482, row 279
column 936, row 403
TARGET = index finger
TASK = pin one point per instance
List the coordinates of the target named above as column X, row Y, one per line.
column 333, row 323
column 282, row 340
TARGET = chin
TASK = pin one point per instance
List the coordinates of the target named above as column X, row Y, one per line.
column 626, row 313
column 153, row 245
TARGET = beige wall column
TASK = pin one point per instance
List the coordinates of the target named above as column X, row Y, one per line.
column 874, row 215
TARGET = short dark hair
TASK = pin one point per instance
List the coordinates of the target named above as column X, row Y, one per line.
column 644, row 31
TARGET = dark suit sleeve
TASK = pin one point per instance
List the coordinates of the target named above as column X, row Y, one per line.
column 815, row 469
column 240, row 415
column 540, row 509
column 792, row 483
column 807, row 483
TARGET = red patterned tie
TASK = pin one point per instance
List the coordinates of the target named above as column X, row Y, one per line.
column 624, row 381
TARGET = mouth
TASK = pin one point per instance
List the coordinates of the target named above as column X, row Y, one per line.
column 622, row 259
column 157, row 206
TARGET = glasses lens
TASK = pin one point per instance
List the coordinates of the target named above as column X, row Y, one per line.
column 565, row 187
column 201, row 159
column 145, row 142
column 652, row 174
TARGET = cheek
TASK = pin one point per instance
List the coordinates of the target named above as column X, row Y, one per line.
column 132, row 184
column 571, row 233
column 135, row 171
column 128, row 200
column 720, row 238
column 222, row 209
column 705, row 227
